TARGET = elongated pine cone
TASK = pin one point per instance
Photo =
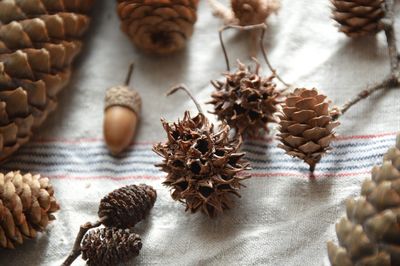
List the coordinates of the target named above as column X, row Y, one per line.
column 306, row 125
column 251, row 12
column 158, row 26
column 246, row 101
column 27, row 205
column 203, row 166
column 38, row 41
column 110, row 246
column 370, row 232
column 126, row 206
column 358, row 17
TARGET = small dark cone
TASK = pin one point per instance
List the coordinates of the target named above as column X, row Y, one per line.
column 125, row 207
column 110, row 246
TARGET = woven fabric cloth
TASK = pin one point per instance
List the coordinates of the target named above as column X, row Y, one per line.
column 283, row 218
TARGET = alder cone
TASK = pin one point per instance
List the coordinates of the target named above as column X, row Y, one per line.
column 110, row 246
column 126, row 206
column 306, row 125
column 251, row 12
column 358, row 17
column 38, row 41
column 27, row 204
column 158, row 26
column 203, row 166
column 246, row 101
column 370, row 232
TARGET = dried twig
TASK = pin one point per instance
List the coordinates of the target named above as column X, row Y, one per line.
column 394, row 78
column 261, row 26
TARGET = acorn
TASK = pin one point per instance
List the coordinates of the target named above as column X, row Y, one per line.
column 121, row 115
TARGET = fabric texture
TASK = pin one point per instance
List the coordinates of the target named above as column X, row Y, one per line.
column 283, row 217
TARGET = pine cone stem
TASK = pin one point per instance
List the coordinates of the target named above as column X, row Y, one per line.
column 185, row 89
column 76, row 250
column 394, row 79
column 261, row 27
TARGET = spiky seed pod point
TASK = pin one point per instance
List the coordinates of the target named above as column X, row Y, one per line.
column 27, row 204
column 126, row 206
column 203, row 166
column 358, row 17
column 158, row 26
column 38, row 42
column 370, row 232
column 246, row 101
column 110, row 246
column 306, row 125
column 251, row 12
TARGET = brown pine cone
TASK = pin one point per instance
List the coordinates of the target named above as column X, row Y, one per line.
column 26, row 206
column 126, row 206
column 246, row 101
column 370, row 232
column 38, row 41
column 306, row 126
column 110, row 246
column 251, row 12
column 158, row 26
column 203, row 166
column 358, row 17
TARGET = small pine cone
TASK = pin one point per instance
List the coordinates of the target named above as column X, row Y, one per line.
column 246, row 101
column 26, row 206
column 110, row 246
column 158, row 26
column 358, row 17
column 39, row 39
column 203, row 166
column 251, row 12
column 370, row 232
column 306, row 126
column 126, row 206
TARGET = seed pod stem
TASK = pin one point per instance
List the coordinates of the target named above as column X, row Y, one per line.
column 185, row 89
column 129, row 75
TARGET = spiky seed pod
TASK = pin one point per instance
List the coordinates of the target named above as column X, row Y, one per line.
column 203, row 166
column 251, row 12
column 27, row 204
column 370, row 232
column 110, row 246
column 38, row 41
column 358, row 17
column 126, row 206
column 158, row 26
column 306, row 125
column 246, row 101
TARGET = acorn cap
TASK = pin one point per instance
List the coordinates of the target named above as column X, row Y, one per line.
column 123, row 96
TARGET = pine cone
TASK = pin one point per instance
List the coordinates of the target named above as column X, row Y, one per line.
column 358, row 17
column 26, row 206
column 246, row 101
column 158, row 26
column 203, row 166
column 251, row 12
column 110, row 246
column 38, row 41
column 306, row 126
column 126, row 206
column 370, row 233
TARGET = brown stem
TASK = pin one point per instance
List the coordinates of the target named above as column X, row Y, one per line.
column 76, row 250
column 261, row 26
column 185, row 89
column 129, row 75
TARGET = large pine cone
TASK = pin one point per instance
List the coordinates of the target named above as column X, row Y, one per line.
column 26, row 206
column 306, row 125
column 251, row 12
column 38, row 42
column 203, row 166
column 246, row 101
column 370, row 233
column 110, row 246
column 126, row 206
column 358, row 17
column 158, row 26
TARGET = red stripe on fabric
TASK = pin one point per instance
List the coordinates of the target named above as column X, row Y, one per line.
column 261, row 175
